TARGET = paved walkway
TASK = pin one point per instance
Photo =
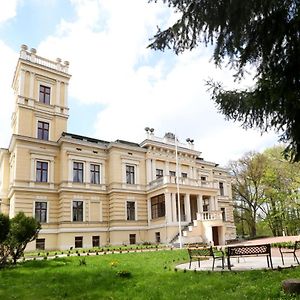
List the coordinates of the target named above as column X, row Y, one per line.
column 250, row 263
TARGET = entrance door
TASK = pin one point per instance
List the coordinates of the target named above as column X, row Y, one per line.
column 215, row 234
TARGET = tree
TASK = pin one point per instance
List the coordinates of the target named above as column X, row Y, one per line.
column 4, row 230
column 281, row 200
column 264, row 33
column 22, row 231
column 248, row 189
column 266, row 190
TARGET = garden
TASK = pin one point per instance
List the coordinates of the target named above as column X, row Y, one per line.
column 147, row 274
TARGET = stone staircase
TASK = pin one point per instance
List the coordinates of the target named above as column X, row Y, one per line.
column 198, row 230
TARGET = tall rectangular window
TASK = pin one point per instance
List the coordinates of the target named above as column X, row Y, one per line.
column 41, row 171
column 77, row 211
column 132, row 239
column 223, row 214
column 130, row 210
column 78, row 241
column 157, row 237
column 172, row 173
column 96, row 241
column 95, row 174
column 44, row 96
column 41, row 212
column 40, row 244
column 158, row 206
column 221, row 187
column 159, row 173
column 43, row 130
column 130, row 174
column 77, row 172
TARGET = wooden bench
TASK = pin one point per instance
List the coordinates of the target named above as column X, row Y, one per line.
column 249, row 250
column 293, row 250
column 205, row 252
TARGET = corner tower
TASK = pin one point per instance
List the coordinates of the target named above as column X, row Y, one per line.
column 41, row 92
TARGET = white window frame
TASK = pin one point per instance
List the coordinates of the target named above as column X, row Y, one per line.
column 47, row 84
column 135, row 209
column 100, row 172
column 84, row 210
column 41, row 199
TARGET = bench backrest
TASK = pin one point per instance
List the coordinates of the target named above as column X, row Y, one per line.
column 200, row 252
column 249, row 250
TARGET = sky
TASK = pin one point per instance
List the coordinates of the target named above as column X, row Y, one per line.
column 118, row 85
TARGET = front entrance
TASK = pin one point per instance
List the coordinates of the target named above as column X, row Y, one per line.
column 215, row 234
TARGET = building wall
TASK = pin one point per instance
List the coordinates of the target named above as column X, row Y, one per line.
column 104, row 204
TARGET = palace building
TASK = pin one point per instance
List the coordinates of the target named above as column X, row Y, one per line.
column 88, row 192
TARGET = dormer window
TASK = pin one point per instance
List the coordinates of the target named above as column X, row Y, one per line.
column 44, row 96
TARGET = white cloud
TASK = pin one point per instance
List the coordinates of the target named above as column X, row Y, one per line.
column 8, row 60
column 110, row 64
column 8, row 9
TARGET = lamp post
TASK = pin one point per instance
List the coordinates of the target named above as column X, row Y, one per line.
column 178, row 194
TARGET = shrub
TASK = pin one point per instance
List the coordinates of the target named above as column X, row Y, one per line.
column 22, row 231
column 82, row 262
column 124, row 274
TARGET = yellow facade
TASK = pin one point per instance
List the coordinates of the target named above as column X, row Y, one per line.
column 88, row 192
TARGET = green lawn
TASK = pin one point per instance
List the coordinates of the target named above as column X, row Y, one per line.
column 152, row 277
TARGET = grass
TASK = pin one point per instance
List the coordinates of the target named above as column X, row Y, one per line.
column 147, row 275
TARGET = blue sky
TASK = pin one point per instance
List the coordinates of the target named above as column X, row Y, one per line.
column 118, row 86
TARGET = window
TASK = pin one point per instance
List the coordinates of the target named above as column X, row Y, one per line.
column 96, row 241
column 221, row 187
column 159, row 173
column 172, row 173
column 78, row 241
column 223, row 214
column 95, row 174
column 130, row 210
column 130, row 174
column 203, row 178
column 158, row 206
column 132, row 239
column 77, row 172
column 41, row 171
column 40, row 212
column 44, row 94
column 40, row 244
column 157, row 237
column 43, row 130
column 184, row 175
column 77, row 211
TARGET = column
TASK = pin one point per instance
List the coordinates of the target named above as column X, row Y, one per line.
column 187, row 207
column 174, row 207
column 31, row 85
column 57, row 100
column 199, row 204
column 153, row 169
column 149, row 210
column 148, row 170
column 216, row 203
column 86, row 178
column 21, row 82
column 66, row 95
column 191, row 173
column 211, row 204
column 168, row 208
column 166, row 168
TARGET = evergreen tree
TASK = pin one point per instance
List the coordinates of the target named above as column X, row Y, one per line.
column 264, row 33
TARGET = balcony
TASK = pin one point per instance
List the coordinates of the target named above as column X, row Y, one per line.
column 182, row 181
column 210, row 216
